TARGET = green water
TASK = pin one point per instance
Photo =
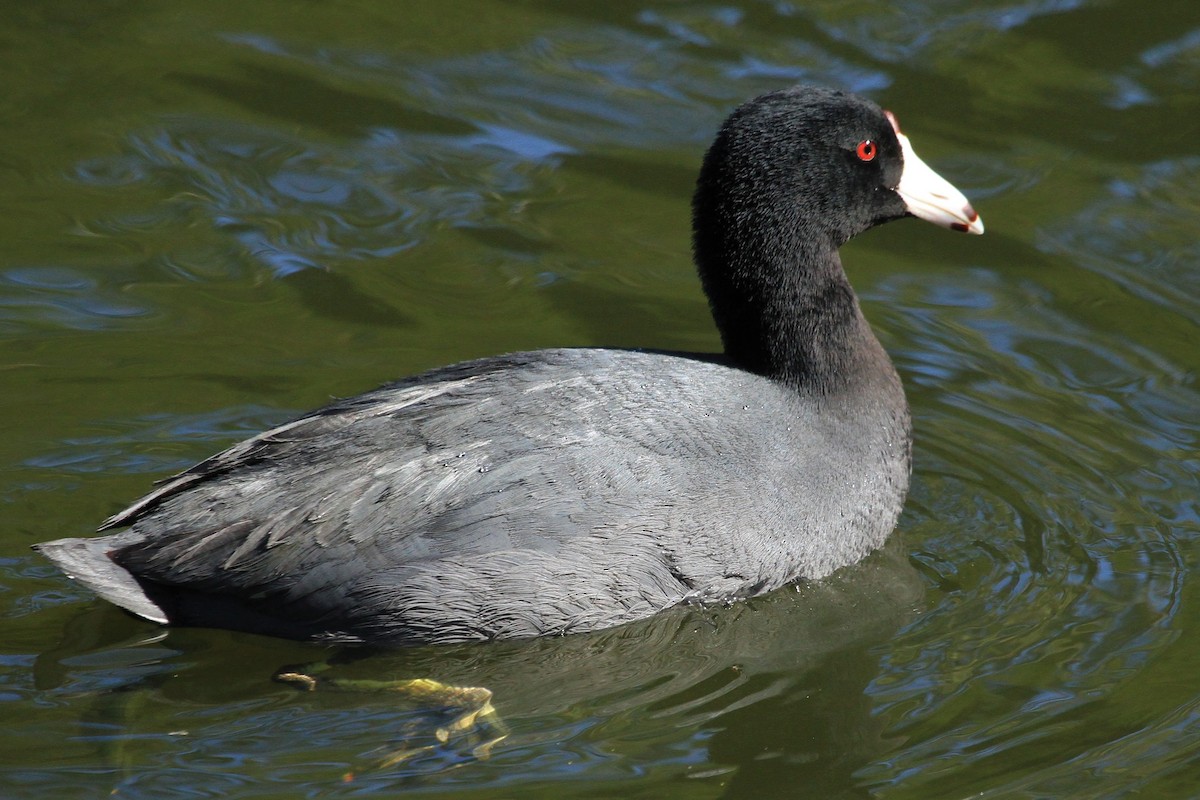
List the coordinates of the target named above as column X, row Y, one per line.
column 216, row 215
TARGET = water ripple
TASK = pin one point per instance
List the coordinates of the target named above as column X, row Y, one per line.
column 155, row 444
column 61, row 297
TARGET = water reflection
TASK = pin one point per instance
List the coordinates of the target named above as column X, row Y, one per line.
column 664, row 692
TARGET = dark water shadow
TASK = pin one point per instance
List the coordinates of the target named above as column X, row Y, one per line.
column 332, row 296
column 769, row 685
column 338, row 110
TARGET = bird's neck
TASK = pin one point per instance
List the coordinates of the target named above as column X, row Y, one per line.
column 786, row 310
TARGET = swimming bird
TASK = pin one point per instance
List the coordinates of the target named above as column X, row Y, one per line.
column 566, row 490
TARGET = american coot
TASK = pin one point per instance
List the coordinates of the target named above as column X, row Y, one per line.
column 574, row 489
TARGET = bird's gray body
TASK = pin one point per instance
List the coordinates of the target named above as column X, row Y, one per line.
column 514, row 496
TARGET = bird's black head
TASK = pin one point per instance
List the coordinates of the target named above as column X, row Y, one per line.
column 790, row 177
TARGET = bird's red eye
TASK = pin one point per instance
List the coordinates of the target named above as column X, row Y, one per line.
column 866, row 150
